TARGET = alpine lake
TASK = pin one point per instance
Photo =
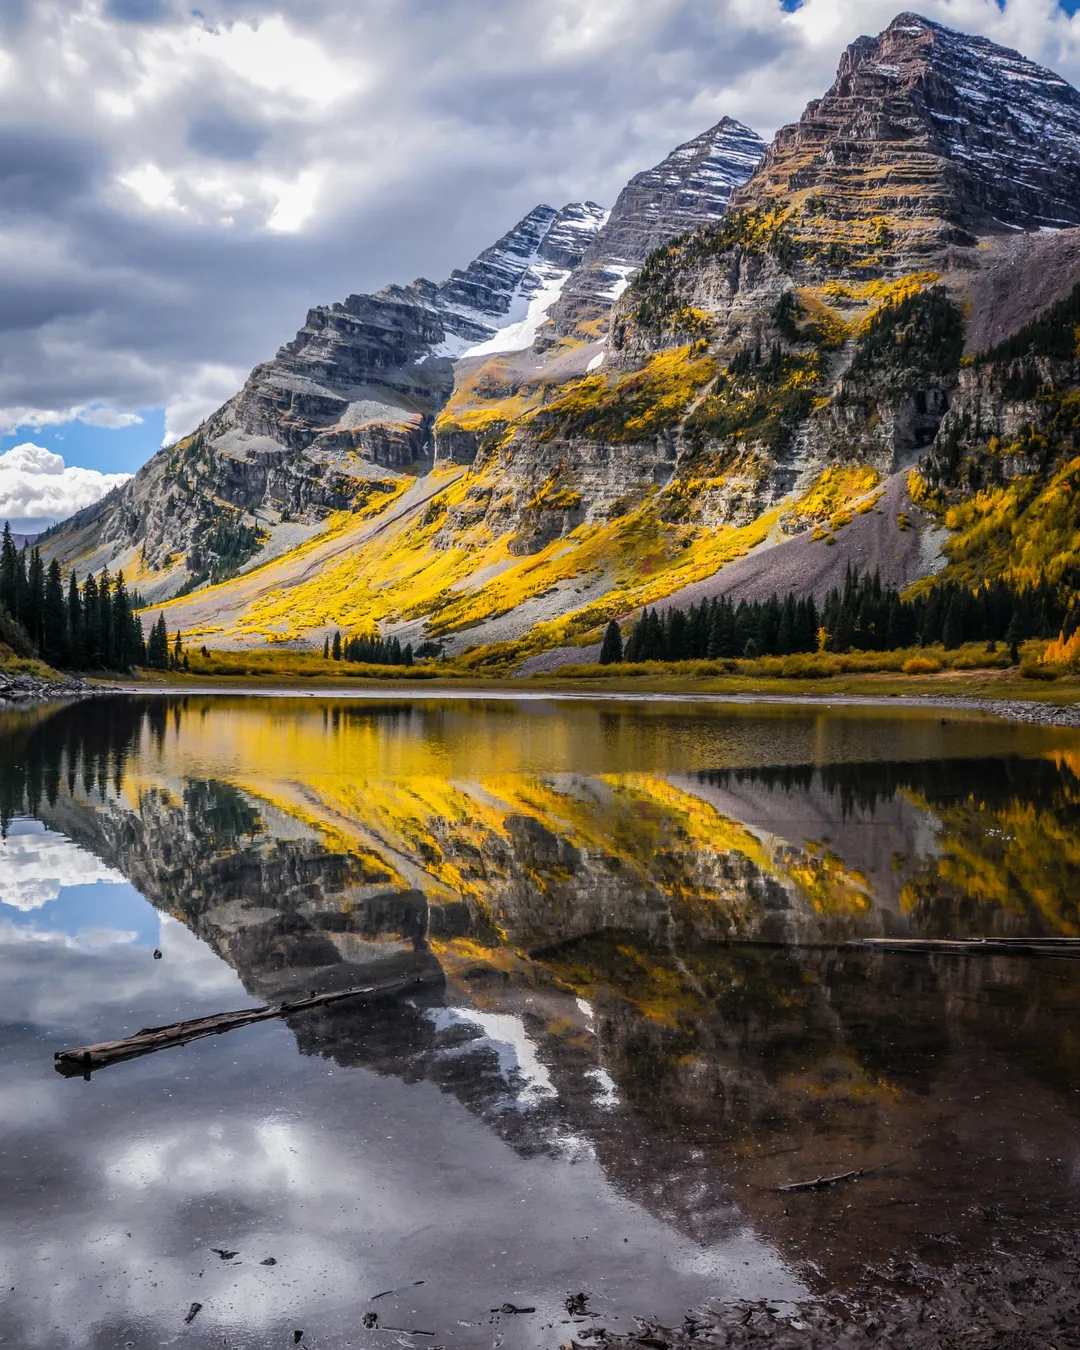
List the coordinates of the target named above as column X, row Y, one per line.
column 627, row 1032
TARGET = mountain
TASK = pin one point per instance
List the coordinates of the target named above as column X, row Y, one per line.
column 348, row 405
column 947, row 135
column 944, row 136
column 323, row 426
column 796, row 377
column 692, row 186
column 504, row 294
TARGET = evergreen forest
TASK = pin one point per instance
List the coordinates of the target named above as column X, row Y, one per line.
column 862, row 615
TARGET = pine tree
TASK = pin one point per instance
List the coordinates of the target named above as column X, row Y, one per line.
column 106, row 636
column 9, row 566
column 76, row 632
column 126, row 629
column 1013, row 634
column 785, row 634
column 157, row 648
column 675, row 635
column 844, row 634
column 54, row 644
column 952, row 633
column 335, row 651
column 326, row 647
column 92, row 656
column 611, row 649
column 32, row 613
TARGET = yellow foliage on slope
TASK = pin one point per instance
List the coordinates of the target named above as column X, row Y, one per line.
column 1022, row 531
column 1063, row 651
column 487, row 397
column 839, row 486
column 633, row 406
column 402, row 575
column 880, row 291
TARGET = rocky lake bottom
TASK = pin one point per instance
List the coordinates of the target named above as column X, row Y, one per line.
column 663, row 1055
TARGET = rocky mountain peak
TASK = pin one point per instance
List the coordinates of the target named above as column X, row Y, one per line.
column 927, row 136
column 486, row 285
column 689, row 188
column 572, row 233
column 500, row 287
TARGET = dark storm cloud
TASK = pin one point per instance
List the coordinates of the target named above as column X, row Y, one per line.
column 221, row 136
column 41, row 169
column 176, row 190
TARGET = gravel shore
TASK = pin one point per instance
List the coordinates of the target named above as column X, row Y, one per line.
column 1015, row 1301
column 20, row 691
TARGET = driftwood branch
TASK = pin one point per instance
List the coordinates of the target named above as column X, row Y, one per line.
column 84, row 1061
column 1049, row 946
column 820, row 1183
column 826, row 1183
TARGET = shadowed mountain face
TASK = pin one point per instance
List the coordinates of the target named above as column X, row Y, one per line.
column 647, row 964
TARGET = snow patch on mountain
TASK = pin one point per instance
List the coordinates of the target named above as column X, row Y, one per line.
column 514, row 284
column 515, row 337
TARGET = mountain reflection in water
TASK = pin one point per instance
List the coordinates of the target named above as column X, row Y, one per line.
column 632, row 921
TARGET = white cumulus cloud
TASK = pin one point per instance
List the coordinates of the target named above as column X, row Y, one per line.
column 37, row 488
column 36, row 865
column 199, row 393
column 91, row 415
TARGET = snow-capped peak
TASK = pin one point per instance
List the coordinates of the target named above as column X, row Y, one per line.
column 501, row 300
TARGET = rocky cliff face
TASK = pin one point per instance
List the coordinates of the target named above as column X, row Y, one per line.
column 820, row 324
column 691, row 187
column 519, row 274
column 348, row 405
column 927, row 137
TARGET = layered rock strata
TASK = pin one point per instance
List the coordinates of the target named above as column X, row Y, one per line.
column 927, row 137
column 688, row 189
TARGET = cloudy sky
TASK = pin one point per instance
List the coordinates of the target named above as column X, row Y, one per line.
column 179, row 185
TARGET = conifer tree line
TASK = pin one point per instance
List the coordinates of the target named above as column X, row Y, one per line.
column 862, row 615
column 160, row 655
column 372, row 650
column 87, row 627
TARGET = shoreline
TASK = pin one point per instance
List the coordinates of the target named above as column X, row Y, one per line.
column 1027, row 1298
column 1034, row 706
column 28, row 691
column 1035, row 712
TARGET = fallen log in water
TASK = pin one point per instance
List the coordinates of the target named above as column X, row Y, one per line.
column 822, row 1183
column 83, row 1061
column 1051, row 946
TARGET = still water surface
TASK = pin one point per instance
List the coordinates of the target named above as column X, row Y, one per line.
column 640, row 1017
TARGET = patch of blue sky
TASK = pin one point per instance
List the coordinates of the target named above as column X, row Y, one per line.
column 106, row 449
